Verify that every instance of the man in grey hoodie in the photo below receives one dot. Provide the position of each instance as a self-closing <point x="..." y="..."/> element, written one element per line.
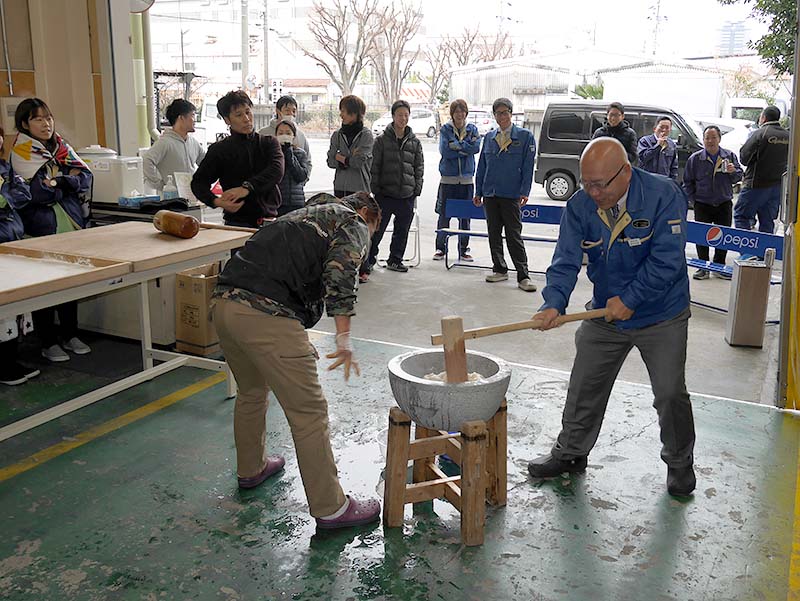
<point x="286" y="110"/>
<point x="175" y="150"/>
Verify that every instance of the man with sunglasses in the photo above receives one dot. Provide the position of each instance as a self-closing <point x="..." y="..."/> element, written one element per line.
<point x="632" y="226"/>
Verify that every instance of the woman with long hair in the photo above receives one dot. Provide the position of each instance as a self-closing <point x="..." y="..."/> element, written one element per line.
<point x="60" y="185"/>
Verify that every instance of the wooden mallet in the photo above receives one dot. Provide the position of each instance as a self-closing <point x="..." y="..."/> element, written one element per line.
<point x="186" y="226"/>
<point x="453" y="338"/>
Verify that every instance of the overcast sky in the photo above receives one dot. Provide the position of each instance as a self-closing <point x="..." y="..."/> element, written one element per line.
<point x="688" y="27"/>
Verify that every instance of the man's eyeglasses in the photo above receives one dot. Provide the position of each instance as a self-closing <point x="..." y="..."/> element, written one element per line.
<point x="501" y="113"/>
<point x="599" y="185"/>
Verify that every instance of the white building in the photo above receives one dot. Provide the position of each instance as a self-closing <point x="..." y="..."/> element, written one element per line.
<point x="205" y="37"/>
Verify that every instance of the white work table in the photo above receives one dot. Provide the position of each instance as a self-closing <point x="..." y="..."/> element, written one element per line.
<point x="41" y="272"/>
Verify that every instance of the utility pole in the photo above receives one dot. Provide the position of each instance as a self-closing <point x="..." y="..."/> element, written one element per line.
<point x="267" y="85"/>
<point x="657" y="19"/>
<point x="245" y="45"/>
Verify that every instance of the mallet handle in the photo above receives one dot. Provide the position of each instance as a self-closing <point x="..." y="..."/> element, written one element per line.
<point x="230" y="228"/>
<point x="530" y="324"/>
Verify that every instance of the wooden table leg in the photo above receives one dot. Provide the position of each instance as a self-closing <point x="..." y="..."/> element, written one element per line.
<point x="420" y="473"/>
<point x="473" y="486"/>
<point x="396" y="467"/>
<point x="497" y="457"/>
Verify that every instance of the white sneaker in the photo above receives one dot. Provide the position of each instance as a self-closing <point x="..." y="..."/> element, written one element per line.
<point x="496" y="277"/>
<point x="55" y="354"/>
<point x="77" y="346"/>
<point x="438" y="255"/>
<point x="527" y="285"/>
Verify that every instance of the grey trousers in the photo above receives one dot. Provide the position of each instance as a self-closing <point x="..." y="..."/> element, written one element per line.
<point x="601" y="351"/>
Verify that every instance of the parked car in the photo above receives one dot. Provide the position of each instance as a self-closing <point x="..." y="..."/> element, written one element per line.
<point x="483" y="120"/>
<point x="734" y="131"/>
<point x="567" y="128"/>
<point x="210" y="127"/>
<point x="422" y="121"/>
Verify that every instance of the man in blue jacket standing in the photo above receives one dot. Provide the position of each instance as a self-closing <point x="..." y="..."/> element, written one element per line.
<point x="657" y="152"/>
<point x="632" y="226"/>
<point x="708" y="180"/>
<point x="502" y="185"/>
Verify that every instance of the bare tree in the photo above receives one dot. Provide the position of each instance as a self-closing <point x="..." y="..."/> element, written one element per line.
<point x="494" y="48"/>
<point x="345" y="32"/>
<point x="462" y="49"/>
<point x="438" y="58"/>
<point x="392" y="63"/>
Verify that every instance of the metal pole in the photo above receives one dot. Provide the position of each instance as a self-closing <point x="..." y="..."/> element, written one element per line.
<point x="789" y="211"/>
<point x="5" y="47"/>
<point x="245" y="45"/>
<point x="267" y="86"/>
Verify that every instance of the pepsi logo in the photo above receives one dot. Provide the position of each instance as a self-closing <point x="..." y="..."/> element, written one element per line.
<point x="714" y="236"/>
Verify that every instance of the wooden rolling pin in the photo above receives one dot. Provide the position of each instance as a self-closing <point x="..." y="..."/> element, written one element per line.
<point x="186" y="226"/>
<point x="530" y="324"/>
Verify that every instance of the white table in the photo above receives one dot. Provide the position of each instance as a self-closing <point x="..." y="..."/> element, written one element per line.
<point x="115" y="256"/>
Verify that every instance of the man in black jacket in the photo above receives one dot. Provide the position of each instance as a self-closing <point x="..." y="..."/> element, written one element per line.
<point x="396" y="179"/>
<point x="616" y="127"/>
<point x="248" y="166"/>
<point x="766" y="154"/>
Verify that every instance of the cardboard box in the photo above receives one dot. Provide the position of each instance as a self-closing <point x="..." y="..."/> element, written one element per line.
<point x="194" y="331"/>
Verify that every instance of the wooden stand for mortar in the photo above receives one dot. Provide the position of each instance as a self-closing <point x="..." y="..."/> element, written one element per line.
<point x="480" y="449"/>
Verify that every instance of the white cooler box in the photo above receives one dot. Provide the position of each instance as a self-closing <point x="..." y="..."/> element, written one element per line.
<point x="114" y="176"/>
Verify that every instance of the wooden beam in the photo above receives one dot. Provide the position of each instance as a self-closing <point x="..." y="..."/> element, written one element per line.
<point x="429" y="490"/>
<point x="396" y="467"/>
<point x="419" y="451"/>
<point x="453" y="447"/>
<point x="452" y="490"/>
<point x="438" y="444"/>
<point x="473" y="487"/>
<point x="497" y="458"/>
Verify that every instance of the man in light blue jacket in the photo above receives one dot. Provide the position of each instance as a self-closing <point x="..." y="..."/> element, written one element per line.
<point x="632" y="226"/>
<point x="502" y="185"/>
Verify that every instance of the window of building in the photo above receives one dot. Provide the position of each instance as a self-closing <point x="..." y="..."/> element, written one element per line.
<point x="188" y="66"/>
<point x="314" y="97"/>
<point x="236" y="66"/>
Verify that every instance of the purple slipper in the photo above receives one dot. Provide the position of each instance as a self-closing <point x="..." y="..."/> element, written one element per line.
<point x="275" y="464"/>
<point x="358" y="513"/>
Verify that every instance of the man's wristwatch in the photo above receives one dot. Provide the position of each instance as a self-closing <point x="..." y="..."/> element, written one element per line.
<point x="248" y="186"/>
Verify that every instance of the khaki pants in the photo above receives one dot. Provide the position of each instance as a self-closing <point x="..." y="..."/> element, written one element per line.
<point x="273" y="353"/>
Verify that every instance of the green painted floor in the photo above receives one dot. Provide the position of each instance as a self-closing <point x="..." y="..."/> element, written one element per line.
<point x="151" y="511"/>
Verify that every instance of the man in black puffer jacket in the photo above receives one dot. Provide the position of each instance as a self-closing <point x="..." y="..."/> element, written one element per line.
<point x="616" y="127"/>
<point x="397" y="169"/>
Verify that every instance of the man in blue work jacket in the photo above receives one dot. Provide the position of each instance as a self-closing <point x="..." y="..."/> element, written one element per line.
<point x="657" y="152"/>
<point x="632" y="226"/>
<point x="502" y="185"/>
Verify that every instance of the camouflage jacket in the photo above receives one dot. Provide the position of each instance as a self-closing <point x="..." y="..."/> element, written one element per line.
<point x="305" y="260"/>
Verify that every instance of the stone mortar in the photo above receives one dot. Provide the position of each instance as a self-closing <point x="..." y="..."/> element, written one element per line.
<point x="442" y="406"/>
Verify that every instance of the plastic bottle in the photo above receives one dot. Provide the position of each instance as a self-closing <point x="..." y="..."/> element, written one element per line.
<point x="170" y="189"/>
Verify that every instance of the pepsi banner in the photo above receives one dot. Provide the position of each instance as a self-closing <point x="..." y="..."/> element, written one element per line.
<point x="529" y="213"/>
<point x="705" y="234"/>
<point x="729" y="238"/>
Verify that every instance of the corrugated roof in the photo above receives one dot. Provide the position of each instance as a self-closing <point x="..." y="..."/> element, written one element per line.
<point x="659" y="67"/>
<point x="306" y="83"/>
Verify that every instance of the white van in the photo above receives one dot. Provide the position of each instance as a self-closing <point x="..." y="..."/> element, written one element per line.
<point x="210" y="127"/>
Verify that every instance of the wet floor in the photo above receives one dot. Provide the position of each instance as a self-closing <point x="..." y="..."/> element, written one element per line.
<point x="151" y="510"/>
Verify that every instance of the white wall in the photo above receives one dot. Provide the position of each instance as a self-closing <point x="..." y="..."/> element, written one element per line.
<point x="689" y="93"/>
